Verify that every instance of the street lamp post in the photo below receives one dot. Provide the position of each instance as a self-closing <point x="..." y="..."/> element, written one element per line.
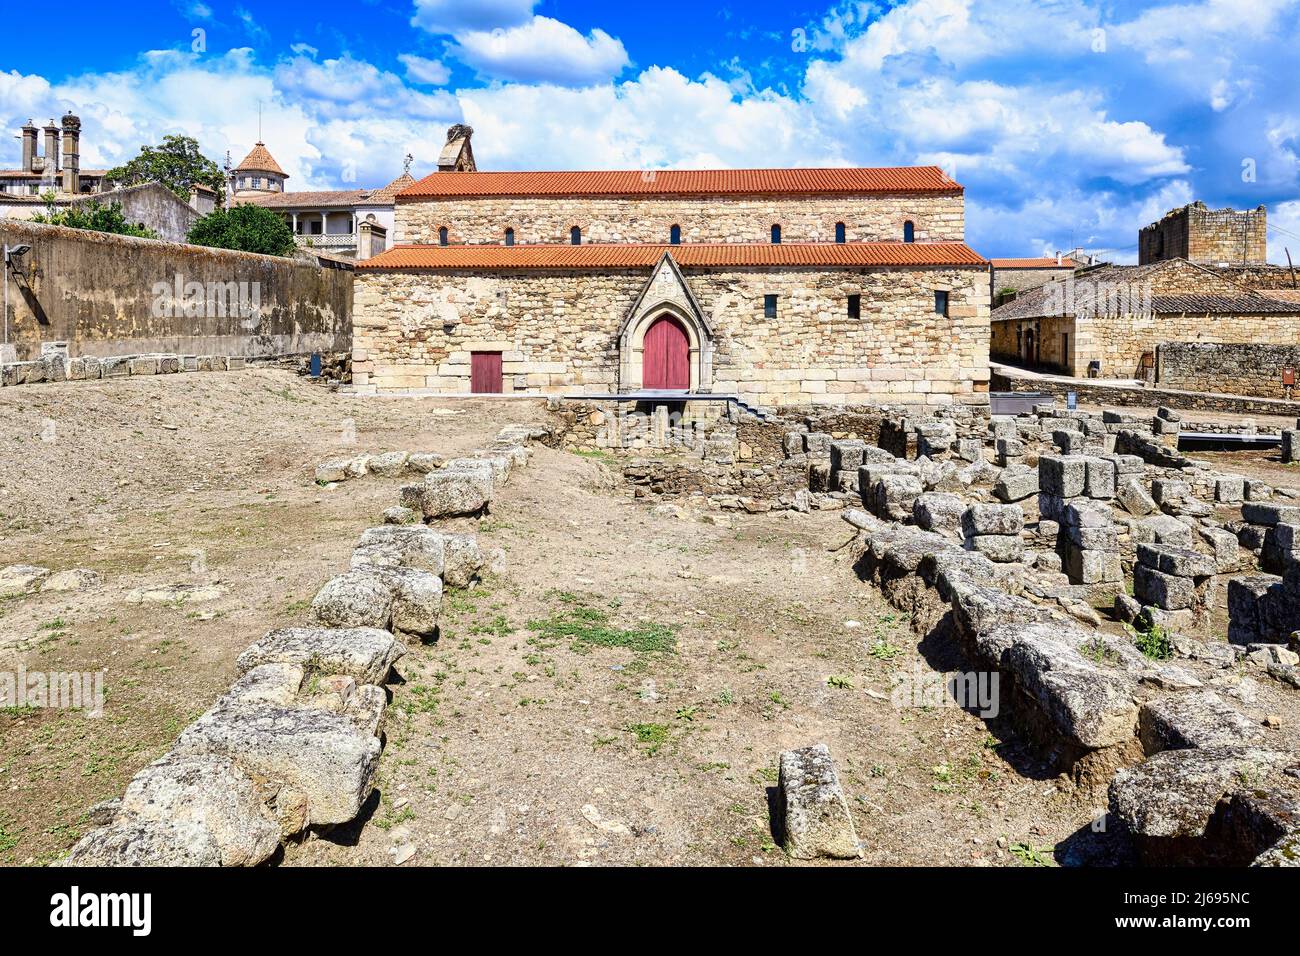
<point x="10" y="254"/>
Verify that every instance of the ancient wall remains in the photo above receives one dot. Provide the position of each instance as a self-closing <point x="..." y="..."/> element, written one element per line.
<point x="484" y="220"/>
<point x="1210" y="236"/>
<point x="107" y="295"/>
<point x="558" y="331"/>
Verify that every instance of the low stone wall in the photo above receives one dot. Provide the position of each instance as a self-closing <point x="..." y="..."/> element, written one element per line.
<point x="1243" y="369"/>
<point x="1090" y="394"/>
<point x="295" y="744"/>
<point x="106" y="295"/>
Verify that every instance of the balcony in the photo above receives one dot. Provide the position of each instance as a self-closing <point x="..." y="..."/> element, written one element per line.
<point x="330" y="242"/>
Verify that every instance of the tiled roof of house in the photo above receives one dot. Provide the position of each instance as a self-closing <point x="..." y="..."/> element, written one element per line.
<point x="259" y="159"/>
<point x="1200" y="290"/>
<point x="1045" y="262"/>
<point x="1245" y="304"/>
<point x="643" y="256"/>
<point x="685" y="182"/>
<point x="307" y="199"/>
<point x="385" y="196"/>
<point x="331" y="197"/>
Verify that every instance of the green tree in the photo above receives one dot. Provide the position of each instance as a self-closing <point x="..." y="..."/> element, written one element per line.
<point x="247" y="228"/>
<point x="176" y="163"/>
<point x="92" y="215"/>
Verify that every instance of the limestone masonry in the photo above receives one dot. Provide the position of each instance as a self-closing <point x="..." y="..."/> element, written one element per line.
<point x="781" y="286"/>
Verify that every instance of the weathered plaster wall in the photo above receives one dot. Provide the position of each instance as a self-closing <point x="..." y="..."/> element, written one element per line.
<point x="705" y="219"/>
<point x="97" y="293"/>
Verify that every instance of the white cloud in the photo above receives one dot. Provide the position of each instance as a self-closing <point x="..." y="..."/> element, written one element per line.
<point x="1284" y="232"/>
<point x="543" y="50"/>
<point x="461" y="16"/>
<point x="422" y="70"/>
<point x="660" y="119"/>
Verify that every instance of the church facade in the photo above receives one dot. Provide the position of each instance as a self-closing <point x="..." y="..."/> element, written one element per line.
<point x="781" y="286"/>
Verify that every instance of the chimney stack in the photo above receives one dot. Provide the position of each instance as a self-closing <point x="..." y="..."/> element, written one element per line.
<point x="51" y="149"/>
<point x="29" y="146"/>
<point x="71" y="153"/>
<point x="457" y="156"/>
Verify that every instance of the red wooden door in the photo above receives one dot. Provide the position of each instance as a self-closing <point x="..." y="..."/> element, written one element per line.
<point x="666" y="361"/>
<point x="485" y="372"/>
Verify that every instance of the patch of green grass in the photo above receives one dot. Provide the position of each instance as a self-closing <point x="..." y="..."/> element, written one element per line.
<point x="7" y="840"/>
<point x="839" y="682"/>
<point x="1030" y="855"/>
<point x="589" y="625"/>
<point x="654" y="735"/>
<point x="882" y="650"/>
<point x="1154" y="643"/>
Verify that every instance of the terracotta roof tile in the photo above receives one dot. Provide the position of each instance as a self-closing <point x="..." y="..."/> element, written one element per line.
<point x="1045" y="262"/>
<point x="308" y="198"/>
<point x="259" y="159"/>
<point x="383" y="197"/>
<point x="634" y="256"/>
<point x="685" y="182"/>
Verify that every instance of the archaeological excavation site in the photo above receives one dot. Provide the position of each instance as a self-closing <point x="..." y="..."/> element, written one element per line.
<point x="339" y="631"/>
<point x="707" y="522"/>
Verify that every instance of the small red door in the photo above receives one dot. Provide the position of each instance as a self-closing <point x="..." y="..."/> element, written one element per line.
<point x="485" y="373"/>
<point x="666" y="359"/>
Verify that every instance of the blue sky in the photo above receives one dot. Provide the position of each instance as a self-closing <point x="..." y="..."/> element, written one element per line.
<point x="1070" y="122"/>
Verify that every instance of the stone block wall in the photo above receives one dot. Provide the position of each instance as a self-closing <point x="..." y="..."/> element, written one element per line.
<point x="619" y="219"/>
<point x="1022" y="280"/>
<point x="1210" y="236"/>
<point x="1244" y="368"/>
<point x="558" y="332"/>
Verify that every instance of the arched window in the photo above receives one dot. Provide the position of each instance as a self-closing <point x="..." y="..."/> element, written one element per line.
<point x="575" y="236"/>
<point x="776" y="234"/>
<point x="909" y="232"/>
<point x="675" y="235"/>
<point x="510" y="237"/>
<point x="442" y="235"/>
<point x="839" y="232"/>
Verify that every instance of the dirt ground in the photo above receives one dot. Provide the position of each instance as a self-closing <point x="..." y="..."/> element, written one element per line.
<point x="617" y="693"/>
<point x="517" y="737"/>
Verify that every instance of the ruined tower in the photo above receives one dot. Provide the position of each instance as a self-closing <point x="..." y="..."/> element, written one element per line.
<point x="1207" y="236"/>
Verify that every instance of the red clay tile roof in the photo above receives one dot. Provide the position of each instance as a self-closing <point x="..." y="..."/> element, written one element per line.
<point x="384" y="196"/>
<point x="306" y="198"/>
<point x="259" y="159"/>
<point x="685" y="182"/>
<point x="637" y="256"/>
<point x="1045" y="262"/>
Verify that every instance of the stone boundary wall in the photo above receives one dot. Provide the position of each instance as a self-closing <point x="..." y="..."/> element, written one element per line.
<point x="106" y="295"/>
<point x="623" y="219"/>
<point x="1145" y="397"/>
<point x="1245" y="368"/>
